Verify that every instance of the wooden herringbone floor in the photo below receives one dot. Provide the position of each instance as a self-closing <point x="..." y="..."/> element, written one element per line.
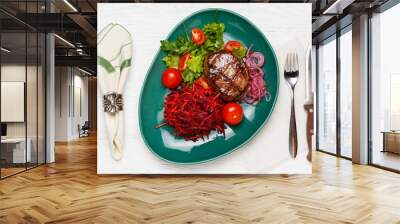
<point x="69" y="191"/>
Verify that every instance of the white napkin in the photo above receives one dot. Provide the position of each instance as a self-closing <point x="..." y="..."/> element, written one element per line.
<point x="114" y="50"/>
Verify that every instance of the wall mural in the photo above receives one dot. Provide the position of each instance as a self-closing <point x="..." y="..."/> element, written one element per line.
<point x="203" y="88"/>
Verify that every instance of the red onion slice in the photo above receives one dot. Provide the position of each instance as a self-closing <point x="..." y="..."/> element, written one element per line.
<point x="257" y="88"/>
<point x="257" y="58"/>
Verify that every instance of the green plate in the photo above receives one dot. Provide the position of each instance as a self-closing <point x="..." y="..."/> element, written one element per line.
<point x="161" y="141"/>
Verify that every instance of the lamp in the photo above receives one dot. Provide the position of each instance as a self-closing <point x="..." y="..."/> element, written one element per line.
<point x="70" y="5"/>
<point x="64" y="40"/>
<point x="337" y="7"/>
<point x="5" y="49"/>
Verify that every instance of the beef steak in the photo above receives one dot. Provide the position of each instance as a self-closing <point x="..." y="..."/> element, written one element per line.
<point x="227" y="74"/>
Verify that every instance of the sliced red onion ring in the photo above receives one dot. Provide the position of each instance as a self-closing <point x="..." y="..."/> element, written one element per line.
<point x="250" y="62"/>
<point x="257" y="58"/>
<point x="257" y="88"/>
<point x="256" y="71"/>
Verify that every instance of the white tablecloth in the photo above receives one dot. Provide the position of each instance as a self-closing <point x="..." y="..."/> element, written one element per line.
<point x="287" y="27"/>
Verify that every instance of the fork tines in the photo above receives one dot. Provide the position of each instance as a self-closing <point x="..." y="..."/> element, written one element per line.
<point x="292" y="62"/>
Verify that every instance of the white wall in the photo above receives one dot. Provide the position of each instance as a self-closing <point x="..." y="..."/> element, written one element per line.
<point x="62" y="82"/>
<point x="16" y="73"/>
<point x="80" y="109"/>
<point x="12" y="73"/>
<point x="70" y="109"/>
<point x="33" y="127"/>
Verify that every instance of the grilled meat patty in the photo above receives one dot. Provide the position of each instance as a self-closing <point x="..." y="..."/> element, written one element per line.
<point x="226" y="74"/>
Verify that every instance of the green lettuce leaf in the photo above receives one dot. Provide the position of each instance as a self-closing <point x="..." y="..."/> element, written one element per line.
<point x="214" y="36"/>
<point x="172" y="61"/>
<point x="189" y="76"/>
<point x="195" y="63"/>
<point x="178" y="47"/>
<point x="239" y="52"/>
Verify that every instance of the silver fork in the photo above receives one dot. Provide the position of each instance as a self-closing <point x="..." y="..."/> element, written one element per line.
<point x="291" y="75"/>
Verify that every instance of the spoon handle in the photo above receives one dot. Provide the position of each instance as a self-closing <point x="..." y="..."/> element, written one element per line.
<point x="293" y="131"/>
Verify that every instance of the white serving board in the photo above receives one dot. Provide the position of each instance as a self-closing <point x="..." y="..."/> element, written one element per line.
<point x="286" y="26"/>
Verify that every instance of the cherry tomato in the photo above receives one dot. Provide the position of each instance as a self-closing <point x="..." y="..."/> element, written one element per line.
<point x="202" y="82"/>
<point x="183" y="60"/>
<point x="198" y="36"/>
<point x="230" y="45"/>
<point x="232" y="113"/>
<point x="171" y="78"/>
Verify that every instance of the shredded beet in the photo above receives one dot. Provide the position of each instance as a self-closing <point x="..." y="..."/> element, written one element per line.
<point x="193" y="112"/>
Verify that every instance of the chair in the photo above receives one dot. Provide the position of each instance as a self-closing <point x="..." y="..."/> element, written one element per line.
<point x="84" y="130"/>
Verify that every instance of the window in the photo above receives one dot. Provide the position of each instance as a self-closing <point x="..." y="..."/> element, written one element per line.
<point x="385" y="89"/>
<point x="335" y="74"/>
<point x="346" y="92"/>
<point x="394" y="116"/>
<point x="22" y="77"/>
<point x="327" y="96"/>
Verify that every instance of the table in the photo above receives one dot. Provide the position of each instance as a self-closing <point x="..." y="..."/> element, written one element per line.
<point x="391" y="141"/>
<point x="18" y="150"/>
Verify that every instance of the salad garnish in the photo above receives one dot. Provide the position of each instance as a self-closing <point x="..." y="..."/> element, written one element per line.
<point x="208" y="80"/>
<point x="210" y="39"/>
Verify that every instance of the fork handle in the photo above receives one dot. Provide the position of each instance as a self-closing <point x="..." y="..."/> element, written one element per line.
<point x="293" y="131"/>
